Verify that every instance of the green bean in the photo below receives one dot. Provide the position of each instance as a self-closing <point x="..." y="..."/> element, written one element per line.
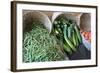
<point x="40" y="46"/>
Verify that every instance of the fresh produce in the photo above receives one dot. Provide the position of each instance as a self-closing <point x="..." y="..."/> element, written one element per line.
<point x="40" y="46"/>
<point x="67" y="31"/>
<point x="67" y="40"/>
<point x="78" y="34"/>
<point x="87" y="35"/>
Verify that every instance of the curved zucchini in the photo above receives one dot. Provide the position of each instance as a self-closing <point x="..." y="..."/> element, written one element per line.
<point x="67" y="40"/>
<point x="78" y="34"/>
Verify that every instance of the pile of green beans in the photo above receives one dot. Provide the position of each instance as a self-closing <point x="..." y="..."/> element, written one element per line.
<point x="40" y="46"/>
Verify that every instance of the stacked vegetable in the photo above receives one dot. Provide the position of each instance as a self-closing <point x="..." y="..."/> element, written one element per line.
<point x="67" y="32"/>
<point x="40" y="46"/>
